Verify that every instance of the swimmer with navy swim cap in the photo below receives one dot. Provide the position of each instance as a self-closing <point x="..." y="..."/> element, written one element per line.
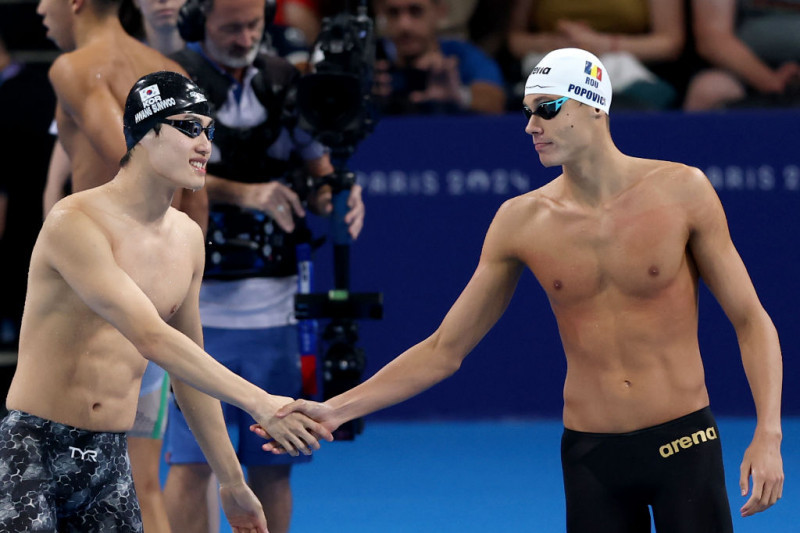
<point x="574" y="73"/>
<point x="155" y="97"/>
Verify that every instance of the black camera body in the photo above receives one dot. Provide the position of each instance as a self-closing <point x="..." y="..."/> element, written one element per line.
<point x="334" y="104"/>
<point x="334" y="101"/>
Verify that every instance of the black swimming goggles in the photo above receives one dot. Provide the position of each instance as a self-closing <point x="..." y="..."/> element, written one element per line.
<point x="546" y="110"/>
<point x="191" y="127"/>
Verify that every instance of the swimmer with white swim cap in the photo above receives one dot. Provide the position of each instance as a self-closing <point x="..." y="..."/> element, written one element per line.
<point x="619" y="244"/>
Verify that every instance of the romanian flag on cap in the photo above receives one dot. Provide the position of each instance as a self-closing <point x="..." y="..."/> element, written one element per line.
<point x="593" y="71"/>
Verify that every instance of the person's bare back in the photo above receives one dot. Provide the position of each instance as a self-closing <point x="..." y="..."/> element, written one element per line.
<point x="76" y="367"/>
<point x="91" y="84"/>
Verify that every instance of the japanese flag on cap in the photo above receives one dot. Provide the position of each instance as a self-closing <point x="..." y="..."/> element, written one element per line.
<point x="574" y="73"/>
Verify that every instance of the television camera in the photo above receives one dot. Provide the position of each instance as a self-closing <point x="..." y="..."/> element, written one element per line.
<point x="334" y="103"/>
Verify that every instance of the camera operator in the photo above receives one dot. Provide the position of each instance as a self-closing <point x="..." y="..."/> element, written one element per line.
<point x="420" y="73"/>
<point x="246" y="301"/>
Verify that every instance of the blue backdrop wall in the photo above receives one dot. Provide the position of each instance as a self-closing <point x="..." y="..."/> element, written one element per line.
<point x="432" y="186"/>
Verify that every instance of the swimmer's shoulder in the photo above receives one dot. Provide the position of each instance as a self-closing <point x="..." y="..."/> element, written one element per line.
<point x="69" y="223"/>
<point x="184" y="223"/>
<point x="106" y="64"/>
<point x="677" y="180"/>
<point x="667" y="172"/>
<point x="72" y="210"/>
<point x="188" y="230"/>
<point x="532" y="202"/>
<point x="64" y="73"/>
<point x="78" y="76"/>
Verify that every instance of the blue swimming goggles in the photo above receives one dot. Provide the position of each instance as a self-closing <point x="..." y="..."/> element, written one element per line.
<point x="546" y="110"/>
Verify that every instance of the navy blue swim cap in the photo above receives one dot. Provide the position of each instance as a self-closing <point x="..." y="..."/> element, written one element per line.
<point x="157" y="96"/>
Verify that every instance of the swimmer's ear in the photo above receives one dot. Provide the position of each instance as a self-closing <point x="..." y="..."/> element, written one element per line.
<point x="77" y="5"/>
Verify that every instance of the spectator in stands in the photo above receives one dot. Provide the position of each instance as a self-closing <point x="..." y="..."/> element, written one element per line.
<point x="154" y="22"/>
<point x="419" y="72"/>
<point x="634" y="38"/>
<point x="753" y="49"/>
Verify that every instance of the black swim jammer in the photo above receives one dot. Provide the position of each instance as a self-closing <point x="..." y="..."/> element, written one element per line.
<point x="675" y="467"/>
<point x="60" y="478"/>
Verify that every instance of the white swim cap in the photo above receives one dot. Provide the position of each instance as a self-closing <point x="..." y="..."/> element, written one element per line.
<point x="574" y="73"/>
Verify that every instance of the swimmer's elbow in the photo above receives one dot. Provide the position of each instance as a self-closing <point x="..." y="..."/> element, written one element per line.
<point x="153" y="344"/>
<point x="446" y="354"/>
<point x="452" y="365"/>
<point x="753" y="320"/>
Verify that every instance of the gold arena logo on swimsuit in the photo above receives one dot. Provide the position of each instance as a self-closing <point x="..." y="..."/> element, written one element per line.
<point x="688" y="441"/>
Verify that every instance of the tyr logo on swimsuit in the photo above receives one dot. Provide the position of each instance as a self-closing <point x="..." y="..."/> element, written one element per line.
<point x="87" y="455"/>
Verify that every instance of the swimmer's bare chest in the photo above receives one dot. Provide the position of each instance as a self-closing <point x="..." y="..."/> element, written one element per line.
<point x="161" y="265"/>
<point x="579" y="256"/>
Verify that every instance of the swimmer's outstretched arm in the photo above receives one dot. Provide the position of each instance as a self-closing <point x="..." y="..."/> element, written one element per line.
<point x="78" y="250"/>
<point x="479" y="306"/>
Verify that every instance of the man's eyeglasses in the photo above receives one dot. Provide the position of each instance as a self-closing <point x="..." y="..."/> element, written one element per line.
<point x="191" y="128"/>
<point x="546" y="110"/>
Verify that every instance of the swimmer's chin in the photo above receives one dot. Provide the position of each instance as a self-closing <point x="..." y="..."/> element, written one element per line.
<point x="547" y="164"/>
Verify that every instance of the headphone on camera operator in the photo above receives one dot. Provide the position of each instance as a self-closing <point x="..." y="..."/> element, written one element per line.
<point x="192" y="19"/>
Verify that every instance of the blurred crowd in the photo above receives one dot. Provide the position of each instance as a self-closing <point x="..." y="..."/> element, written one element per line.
<point x="449" y="56"/>
<point x="474" y="55"/>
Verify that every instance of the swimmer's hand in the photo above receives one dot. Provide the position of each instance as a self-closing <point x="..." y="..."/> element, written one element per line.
<point x="322" y="413"/>
<point x="295" y="433"/>
<point x="762" y="461"/>
<point x="242" y="508"/>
